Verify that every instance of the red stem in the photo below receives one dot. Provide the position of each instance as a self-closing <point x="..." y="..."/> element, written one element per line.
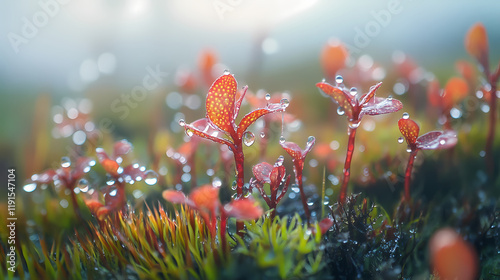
<point x="223" y="225"/>
<point x="490" y="162"/>
<point x="347" y="166"/>
<point x="239" y="160"/>
<point x="303" y="194"/>
<point x="409" y="168"/>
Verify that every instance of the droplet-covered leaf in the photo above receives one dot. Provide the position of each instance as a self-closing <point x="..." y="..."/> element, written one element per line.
<point x="409" y="129"/>
<point x="379" y="106"/>
<point x="243" y="209"/>
<point x="262" y="171"/>
<point x="204" y="129"/>
<point x="367" y="97"/>
<point x="121" y="148"/>
<point x="220" y="102"/>
<point x="325" y="225"/>
<point x="293" y="150"/>
<point x="251" y="117"/>
<point x="437" y="140"/>
<point x="342" y="98"/>
<point x="277" y="175"/>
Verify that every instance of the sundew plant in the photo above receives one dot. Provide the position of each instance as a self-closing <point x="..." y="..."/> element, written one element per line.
<point x="213" y="176"/>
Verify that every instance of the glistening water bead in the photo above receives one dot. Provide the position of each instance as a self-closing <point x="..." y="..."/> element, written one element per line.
<point x="226" y="72"/>
<point x="284" y="103"/>
<point x="150" y="177"/>
<point x="268" y="96"/>
<point x="65" y="162"/>
<point x="248" y="138"/>
<point x="282" y="139"/>
<point x="353" y="91"/>
<point x="400" y="140"/>
<point x="339" y="79"/>
<point x="406" y="115"/>
<point x="340" y="111"/>
<point x="182" y="122"/>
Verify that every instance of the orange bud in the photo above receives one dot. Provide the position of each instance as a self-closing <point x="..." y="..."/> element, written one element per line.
<point x="452" y="257"/>
<point x="333" y="58"/>
<point x="476" y="43"/>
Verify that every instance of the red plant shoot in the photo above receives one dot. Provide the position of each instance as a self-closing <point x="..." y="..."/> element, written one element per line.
<point x="220" y="126"/>
<point x="476" y="44"/>
<point x="275" y="176"/>
<point x="205" y="200"/>
<point x="355" y="108"/>
<point x="298" y="157"/>
<point x="430" y="141"/>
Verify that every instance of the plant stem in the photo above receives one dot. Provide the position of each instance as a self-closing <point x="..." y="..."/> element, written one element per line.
<point x="303" y="194"/>
<point x="239" y="161"/>
<point x="347" y="166"/>
<point x="223" y="225"/>
<point x="409" y="168"/>
<point x="490" y="162"/>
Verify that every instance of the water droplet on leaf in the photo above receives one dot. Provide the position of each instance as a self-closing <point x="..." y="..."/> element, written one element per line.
<point x="182" y="122"/>
<point x="406" y="115"/>
<point x="29" y="187"/>
<point x="262" y="135"/>
<point x="248" y="138"/>
<point x="310" y="140"/>
<point x="400" y="140"/>
<point x="284" y="103"/>
<point x="189" y="132"/>
<point x="353" y="91"/>
<point x="279" y="161"/>
<point x="83" y="185"/>
<point x="226" y="72"/>
<point x="340" y="111"/>
<point x="234" y="186"/>
<point x="282" y="139"/>
<point x="339" y="79"/>
<point x="268" y="96"/>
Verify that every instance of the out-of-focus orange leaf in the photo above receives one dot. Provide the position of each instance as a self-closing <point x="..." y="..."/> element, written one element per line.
<point x="243" y="209"/>
<point x="205" y="198"/>
<point x="206" y="63"/>
<point x="455" y="91"/>
<point x="452" y="257"/>
<point x="333" y="58"/>
<point x="476" y="43"/>
<point x="433" y="93"/>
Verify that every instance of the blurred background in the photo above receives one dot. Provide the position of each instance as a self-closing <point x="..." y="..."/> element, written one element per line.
<point x="95" y="55"/>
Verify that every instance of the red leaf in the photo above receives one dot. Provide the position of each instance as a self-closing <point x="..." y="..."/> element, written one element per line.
<point x="325" y="225"/>
<point x="409" y="129"/>
<point x="237" y="106"/>
<point x="262" y="171"/>
<point x="220" y="103"/>
<point x="205" y="198"/>
<point x="121" y="148"/>
<point x="243" y="209"/>
<point x="379" y="106"/>
<point x="82" y="166"/>
<point x="455" y="91"/>
<point x="333" y="58"/>
<point x="176" y="197"/>
<point x="367" y="97"/>
<point x="293" y="150"/>
<point x="476" y="43"/>
<point x="251" y="117"/>
<point x="93" y="206"/>
<point x="342" y="98"/>
<point x="451" y="256"/>
<point x="434" y="93"/>
<point x="437" y="140"/>
<point x="204" y="129"/>
<point x="277" y="175"/>
<point x="45" y="177"/>
<point x="110" y="166"/>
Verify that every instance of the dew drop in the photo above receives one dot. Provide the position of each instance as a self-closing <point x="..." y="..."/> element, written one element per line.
<point x="340" y="111"/>
<point x="326" y="200"/>
<point x="310" y="141"/>
<point x="83" y="185"/>
<point x="353" y="125"/>
<point x="226" y="72"/>
<point x="113" y="192"/>
<point x="234" y="186"/>
<point x="65" y="162"/>
<point x="406" y="115"/>
<point x="150" y="177"/>
<point x="389" y="98"/>
<point x="284" y="103"/>
<point x="408" y="150"/>
<point x="339" y="79"/>
<point x="400" y="140"/>
<point x="248" y="138"/>
<point x="310" y="202"/>
<point x="268" y="96"/>
<point x="216" y="182"/>
<point x="279" y="161"/>
<point x="282" y="139"/>
<point x="353" y="91"/>
<point x="189" y="132"/>
<point x="323" y="80"/>
<point x="262" y="134"/>
<point x="442" y="141"/>
<point x="295" y="189"/>
<point x="29" y="187"/>
<point x="182" y="122"/>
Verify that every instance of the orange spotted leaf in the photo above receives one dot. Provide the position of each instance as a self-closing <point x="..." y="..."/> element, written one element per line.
<point x="251" y="117"/>
<point x="110" y="166"/>
<point x="262" y="171"/>
<point x="342" y="98"/>
<point x="176" y="197"/>
<point x="476" y="43"/>
<point x="437" y="140"/>
<point x="367" y="97"/>
<point x="220" y="103"/>
<point x="410" y="130"/>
